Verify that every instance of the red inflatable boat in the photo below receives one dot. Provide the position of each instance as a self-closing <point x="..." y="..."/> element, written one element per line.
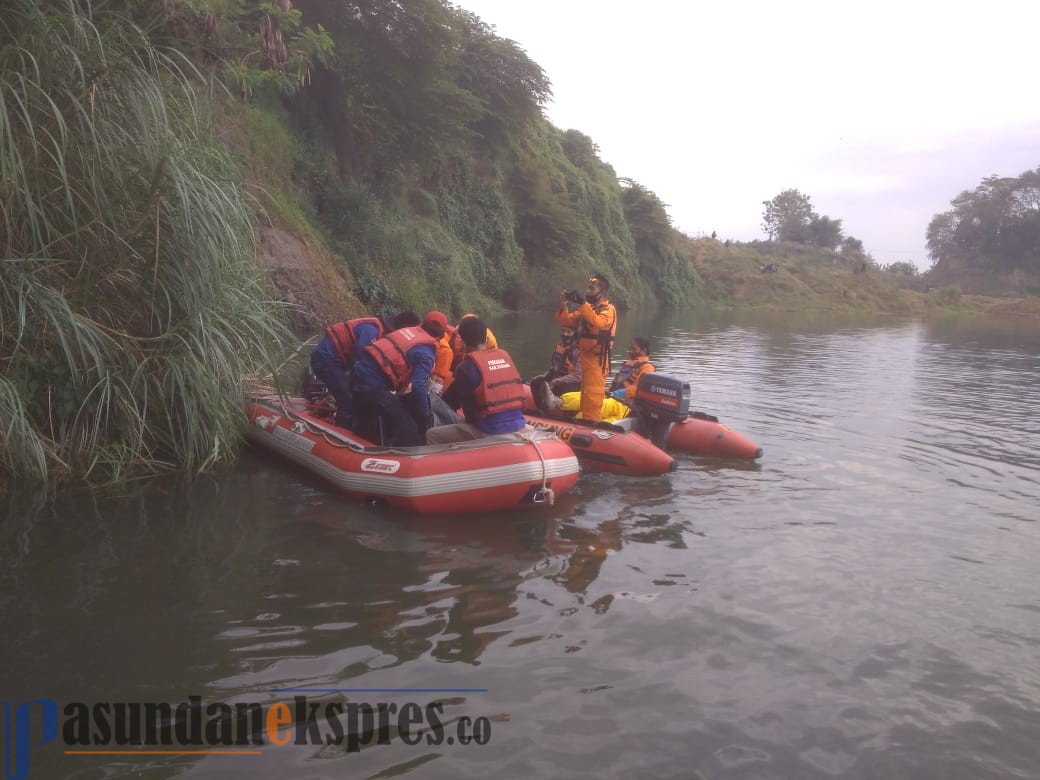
<point x="701" y="434"/>
<point x="509" y="471"/>
<point x="661" y="412"/>
<point x="606" y="447"/>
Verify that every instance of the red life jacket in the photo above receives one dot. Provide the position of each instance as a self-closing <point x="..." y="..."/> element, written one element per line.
<point x="501" y="387"/>
<point x="389" y="354"/>
<point x="344" y="337"/>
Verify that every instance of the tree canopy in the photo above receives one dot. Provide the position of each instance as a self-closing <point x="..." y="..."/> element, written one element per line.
<point x="787" y="216"/>
<point x="996" y="225"/>
<point x="790" y="216"/>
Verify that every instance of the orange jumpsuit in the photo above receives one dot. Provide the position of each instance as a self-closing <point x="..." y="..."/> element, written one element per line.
<point x="598" y="324"/>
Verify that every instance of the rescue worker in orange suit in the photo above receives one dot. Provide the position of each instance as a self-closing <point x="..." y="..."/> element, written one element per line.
<point x="596" y="321"/>
<point x="386" y="369"/>
<point x="450" y="351"/>
<point x="335" y="356"/>
<point x="487" y="387"/>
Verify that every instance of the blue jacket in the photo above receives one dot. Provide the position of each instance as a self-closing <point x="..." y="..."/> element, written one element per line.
<point x="460" y="394"/>
<point x="369" y="378"/>
<point x="325" y="353"/>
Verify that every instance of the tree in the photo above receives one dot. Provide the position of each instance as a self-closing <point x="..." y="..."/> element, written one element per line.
<point x="939" y="238"/>
<point x="996" y="225"/>
<point x="787" y="216"/>
<point x="902" y="268"/>
<point x="824" y="232"/>
<point x="851" y="245"/>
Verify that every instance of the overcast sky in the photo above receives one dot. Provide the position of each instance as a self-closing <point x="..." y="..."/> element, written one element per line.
<point x="880" y="112"/>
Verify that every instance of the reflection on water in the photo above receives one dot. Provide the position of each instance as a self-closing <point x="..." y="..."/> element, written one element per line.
<point x="861" y="603"/>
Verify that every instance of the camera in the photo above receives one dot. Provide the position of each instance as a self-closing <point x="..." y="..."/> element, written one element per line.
<point x="573" y="296"/>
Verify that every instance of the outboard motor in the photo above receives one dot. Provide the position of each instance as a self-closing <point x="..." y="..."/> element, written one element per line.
<point x="312" y="388"/>
<point x="660" y="400"/>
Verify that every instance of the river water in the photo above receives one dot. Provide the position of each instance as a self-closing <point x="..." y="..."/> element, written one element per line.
<point x="864" y="602"/>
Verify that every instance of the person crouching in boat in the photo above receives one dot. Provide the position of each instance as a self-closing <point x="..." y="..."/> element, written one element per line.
<point x="334" y="357"/>
<point x="564" y="374"/>
<point x="618" y="404"/>
<point x="487" y="387"/>
<point x="383" y="373"/>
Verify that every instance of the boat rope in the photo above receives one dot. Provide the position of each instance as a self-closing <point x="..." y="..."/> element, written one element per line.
<point x="318" y="430"/>
<point x="548" y="496"/>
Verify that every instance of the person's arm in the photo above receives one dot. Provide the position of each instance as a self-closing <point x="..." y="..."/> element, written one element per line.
<point x="460" y="395"/>
<point x="566" y="317"/>
<point x="366" y="333"/>
<point x="422" y="358"/>
<point x="455" y="395"/>
<point x="556" y="365"/>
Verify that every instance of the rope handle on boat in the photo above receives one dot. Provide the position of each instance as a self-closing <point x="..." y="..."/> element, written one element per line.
<point x="546" y="492"/>
<point x="318" y="431"/>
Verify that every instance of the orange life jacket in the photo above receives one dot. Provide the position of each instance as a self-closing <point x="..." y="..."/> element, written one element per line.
<point x="597" y="340"/>
<point x="447" y="359"/>
<point x="389" y="354"/>
<point x="344" y="338"/>
<point x="630" y="371"/>
<point x="501" y="387"/>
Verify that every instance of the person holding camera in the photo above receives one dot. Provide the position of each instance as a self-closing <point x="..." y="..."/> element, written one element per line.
<point x="596" y="322"/>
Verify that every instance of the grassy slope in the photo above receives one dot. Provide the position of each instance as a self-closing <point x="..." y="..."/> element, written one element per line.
<point x="310" y="269"/>
<point x="808" y="279"/>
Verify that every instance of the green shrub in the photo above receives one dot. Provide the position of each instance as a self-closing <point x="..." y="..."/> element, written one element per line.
<point x="131" y="302"/>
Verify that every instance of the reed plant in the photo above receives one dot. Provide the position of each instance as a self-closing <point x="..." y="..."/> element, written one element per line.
<point x="131" y="300"/>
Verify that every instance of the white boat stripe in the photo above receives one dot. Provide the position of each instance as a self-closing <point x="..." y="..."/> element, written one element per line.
<point x="434" y="484"/>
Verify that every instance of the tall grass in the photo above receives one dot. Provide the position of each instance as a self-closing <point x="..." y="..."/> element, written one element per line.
<point x="131" y="302"/>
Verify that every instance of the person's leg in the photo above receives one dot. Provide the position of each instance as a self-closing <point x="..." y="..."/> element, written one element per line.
<point x="366" y="415"/>
<point x="592" y="387"/>
<point x="399" y="427"/>
<point x="442" y="413"/>
<point x="570" y="402"/>
<point x="568" y="383"/>
<point x="336" y="380"/>
<point x="449" y="434"/>
<point x="613" y="409"/>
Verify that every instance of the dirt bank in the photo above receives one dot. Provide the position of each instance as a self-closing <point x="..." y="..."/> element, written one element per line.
<point x="309" y="278"/>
